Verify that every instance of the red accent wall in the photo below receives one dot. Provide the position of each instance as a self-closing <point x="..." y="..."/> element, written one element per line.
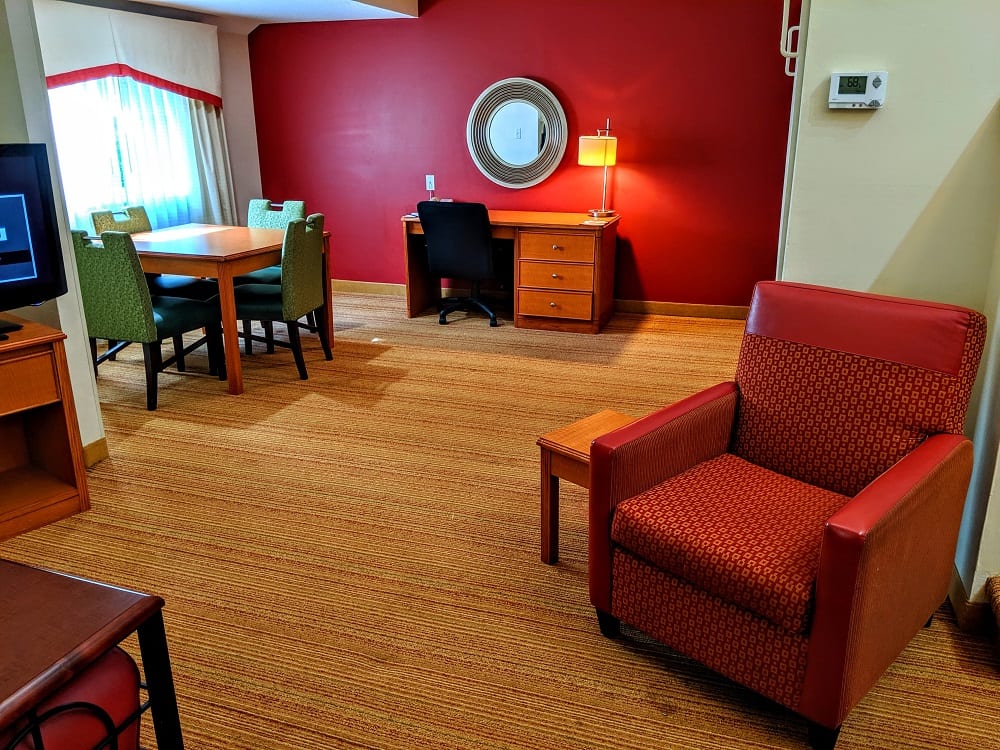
<point x="351" y="115"/>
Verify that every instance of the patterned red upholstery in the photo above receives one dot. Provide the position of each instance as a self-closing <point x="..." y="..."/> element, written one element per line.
<point x="762" y="558"/>
<point x="836" y="419"/>
<point x="801" y="561"/>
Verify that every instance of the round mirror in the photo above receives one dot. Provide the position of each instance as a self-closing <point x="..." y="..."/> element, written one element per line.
<point x="517" y="132"/>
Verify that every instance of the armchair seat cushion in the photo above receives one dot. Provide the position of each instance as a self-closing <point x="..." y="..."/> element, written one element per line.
<point x="258" y="301"/>
<point x="736" y="530"/>
<point x="174" y="315"/>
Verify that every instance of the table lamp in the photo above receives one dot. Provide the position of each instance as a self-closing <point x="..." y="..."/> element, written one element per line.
<point x="599" y="151"/>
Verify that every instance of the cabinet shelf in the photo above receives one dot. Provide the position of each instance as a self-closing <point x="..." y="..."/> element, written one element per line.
<point x="42" y="476"/>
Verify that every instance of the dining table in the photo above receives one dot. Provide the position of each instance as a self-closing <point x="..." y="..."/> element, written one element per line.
<point x="222" y="252"/>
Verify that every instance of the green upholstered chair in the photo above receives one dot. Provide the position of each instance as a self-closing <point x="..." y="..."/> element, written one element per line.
<point x="263" y="214"/>
<point x="134" y="219"/>
<point x="300" y="291"/>
<point x="118" y="306"/>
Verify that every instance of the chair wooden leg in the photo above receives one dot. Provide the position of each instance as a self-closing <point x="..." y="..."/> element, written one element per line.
<point x="611" y="626"/>
<point x="324" y="332"/>
<point x="111" y="345"/>
<point x="247" y="341"/>
<point x="179" y="352"/>
<point x="216" y="353"/>
<point x="822" y="738"/>
<point x="93" y="354"/>
<point x="268" y="327"/>
<point x="153" y="357"/>
<point x="296" y="344"/>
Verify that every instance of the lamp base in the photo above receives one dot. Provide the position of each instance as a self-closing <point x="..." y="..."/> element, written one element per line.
<point x="600" y="213"/>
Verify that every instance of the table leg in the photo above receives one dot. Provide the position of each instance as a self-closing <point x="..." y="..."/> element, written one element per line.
<point x="230" y="333"/>
<point x="550" y="510"/>
<point x="160" y="682"/>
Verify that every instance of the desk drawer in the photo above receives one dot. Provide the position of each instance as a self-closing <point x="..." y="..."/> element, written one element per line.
<point x="576" y="276"/>
<point x="550" y="246"/>
<point x="28" y="381"/>
<point x="555" y="304"/>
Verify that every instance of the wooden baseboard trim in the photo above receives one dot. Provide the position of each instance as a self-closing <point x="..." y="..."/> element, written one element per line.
<point x="972" y="617"/>
<point x="368" y="287"/>
<point x="682" y="309"/>
<point x="94" y="453"/>
<point x="677" y="309"/>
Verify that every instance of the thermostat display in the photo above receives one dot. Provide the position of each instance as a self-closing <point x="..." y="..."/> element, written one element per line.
<point x="858" y="90"/>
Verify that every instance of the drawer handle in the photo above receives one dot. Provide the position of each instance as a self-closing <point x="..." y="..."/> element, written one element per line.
<point x="556" y="247"/>
<point x="552" y="304"/>
<point x="555" y="276"/>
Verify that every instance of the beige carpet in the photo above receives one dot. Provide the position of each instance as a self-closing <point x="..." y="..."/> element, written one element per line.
<point x="353" y="560"/>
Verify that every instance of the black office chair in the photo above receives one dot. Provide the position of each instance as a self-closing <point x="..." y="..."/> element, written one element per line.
<point x="459" y="246"/>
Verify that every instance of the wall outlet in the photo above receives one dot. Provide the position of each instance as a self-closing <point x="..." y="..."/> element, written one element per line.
<point x="428" y="182"/>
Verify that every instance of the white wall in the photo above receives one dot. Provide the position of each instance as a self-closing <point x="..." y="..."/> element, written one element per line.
<point x="25" y="118"/>
<point x="237" y="111"/>
<point x="905" y="200"/>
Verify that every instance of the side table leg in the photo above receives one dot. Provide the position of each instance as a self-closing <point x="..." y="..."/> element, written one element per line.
<point x="550" y="510"/>
<point x="160" y="682"/>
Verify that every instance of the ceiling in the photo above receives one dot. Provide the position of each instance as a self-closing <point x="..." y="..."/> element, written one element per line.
<point x="245" y="15"/>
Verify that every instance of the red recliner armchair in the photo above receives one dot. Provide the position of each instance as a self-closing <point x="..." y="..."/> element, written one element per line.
<point x="793" y="529"/>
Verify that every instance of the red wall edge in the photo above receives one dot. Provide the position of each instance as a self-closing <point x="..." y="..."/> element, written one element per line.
<point x="351" y="115"/>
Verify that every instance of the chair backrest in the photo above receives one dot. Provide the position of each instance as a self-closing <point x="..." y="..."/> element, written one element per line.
<point x="262" y="214"/>
<point x="302" y="267"/>
<point x="131" y="219"/>
<point x="836" y="385"/>
<point x="116" y="301"/>
<point x="459" y="242"/>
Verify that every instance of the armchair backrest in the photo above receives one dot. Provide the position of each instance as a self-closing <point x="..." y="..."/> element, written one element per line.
<point x="836" y="385"/>
<point x="302" y="267"/>
<point x="262" y="214"/>
<point x="116" y="301"/>
<point x="131" y="219"/>
<point x="459" y="239"/>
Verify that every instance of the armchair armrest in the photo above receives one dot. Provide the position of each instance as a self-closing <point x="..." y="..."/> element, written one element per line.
<point x="642" y="454"/>
<point x="885" y="564"/>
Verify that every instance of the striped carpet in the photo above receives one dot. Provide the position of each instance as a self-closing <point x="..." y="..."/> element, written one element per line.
<point x="352" y="561"/>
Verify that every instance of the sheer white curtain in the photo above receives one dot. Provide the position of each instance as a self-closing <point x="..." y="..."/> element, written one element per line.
<point x="125" y="143"/>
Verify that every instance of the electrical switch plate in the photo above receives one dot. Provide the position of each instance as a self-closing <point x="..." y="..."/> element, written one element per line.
<point x="429" y="181"/>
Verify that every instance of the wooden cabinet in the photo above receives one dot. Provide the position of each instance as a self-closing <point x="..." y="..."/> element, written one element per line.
<point x="564" y="279"/>
<point x="42" y="475"/>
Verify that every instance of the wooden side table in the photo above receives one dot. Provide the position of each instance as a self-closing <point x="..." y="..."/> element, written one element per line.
<point x="566" y="453"/>
<point x="53" y="626"/>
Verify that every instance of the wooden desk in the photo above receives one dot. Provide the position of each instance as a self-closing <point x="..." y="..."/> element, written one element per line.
<point x="566" y="453"/>
<point x="222" y="252"/>
<point x="564" y="270"/>
<point x="53" y="626"/>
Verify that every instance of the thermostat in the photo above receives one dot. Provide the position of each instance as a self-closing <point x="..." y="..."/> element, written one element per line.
<point x="858" y="90"/>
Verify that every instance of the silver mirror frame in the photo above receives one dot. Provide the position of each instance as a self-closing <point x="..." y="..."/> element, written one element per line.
<point x="478" y="132"/>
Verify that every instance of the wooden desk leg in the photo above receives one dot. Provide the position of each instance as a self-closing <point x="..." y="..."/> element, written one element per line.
<point x="550" y="510"/>
<point x="160" y="682"/>
<point x="420" y="287"/>
<point x="230" y="334"/>
<point x="327" y="325"/>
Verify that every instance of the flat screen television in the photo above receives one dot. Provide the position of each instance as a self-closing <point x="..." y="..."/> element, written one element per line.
<point x="31" y="261"/>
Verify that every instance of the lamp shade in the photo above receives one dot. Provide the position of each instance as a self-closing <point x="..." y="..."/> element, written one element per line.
<point x="598" y="150"/>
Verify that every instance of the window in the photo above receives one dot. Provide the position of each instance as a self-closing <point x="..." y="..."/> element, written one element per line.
<point x="125" y="143"/>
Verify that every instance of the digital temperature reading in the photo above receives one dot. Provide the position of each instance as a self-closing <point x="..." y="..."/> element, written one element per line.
<point x="857" y="90"/>
<point x="852" y="85"/>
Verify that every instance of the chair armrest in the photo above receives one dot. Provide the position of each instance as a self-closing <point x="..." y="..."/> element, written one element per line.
<point x="645" y="453"/>
<point x="885" y="565"/>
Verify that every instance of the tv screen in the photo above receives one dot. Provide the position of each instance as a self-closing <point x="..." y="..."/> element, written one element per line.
<point x="31" y="262"/>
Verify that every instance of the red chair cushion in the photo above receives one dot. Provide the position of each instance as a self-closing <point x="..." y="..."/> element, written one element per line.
<point x="738" y="531"/>
<point x="111" y="682"/>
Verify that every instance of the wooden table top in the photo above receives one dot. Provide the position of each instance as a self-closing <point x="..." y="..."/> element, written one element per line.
<point x="52" y="626"/>
<point x="208" y="241"/>
<point x="532" y="219"/>
<point x="573" y="440"/>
